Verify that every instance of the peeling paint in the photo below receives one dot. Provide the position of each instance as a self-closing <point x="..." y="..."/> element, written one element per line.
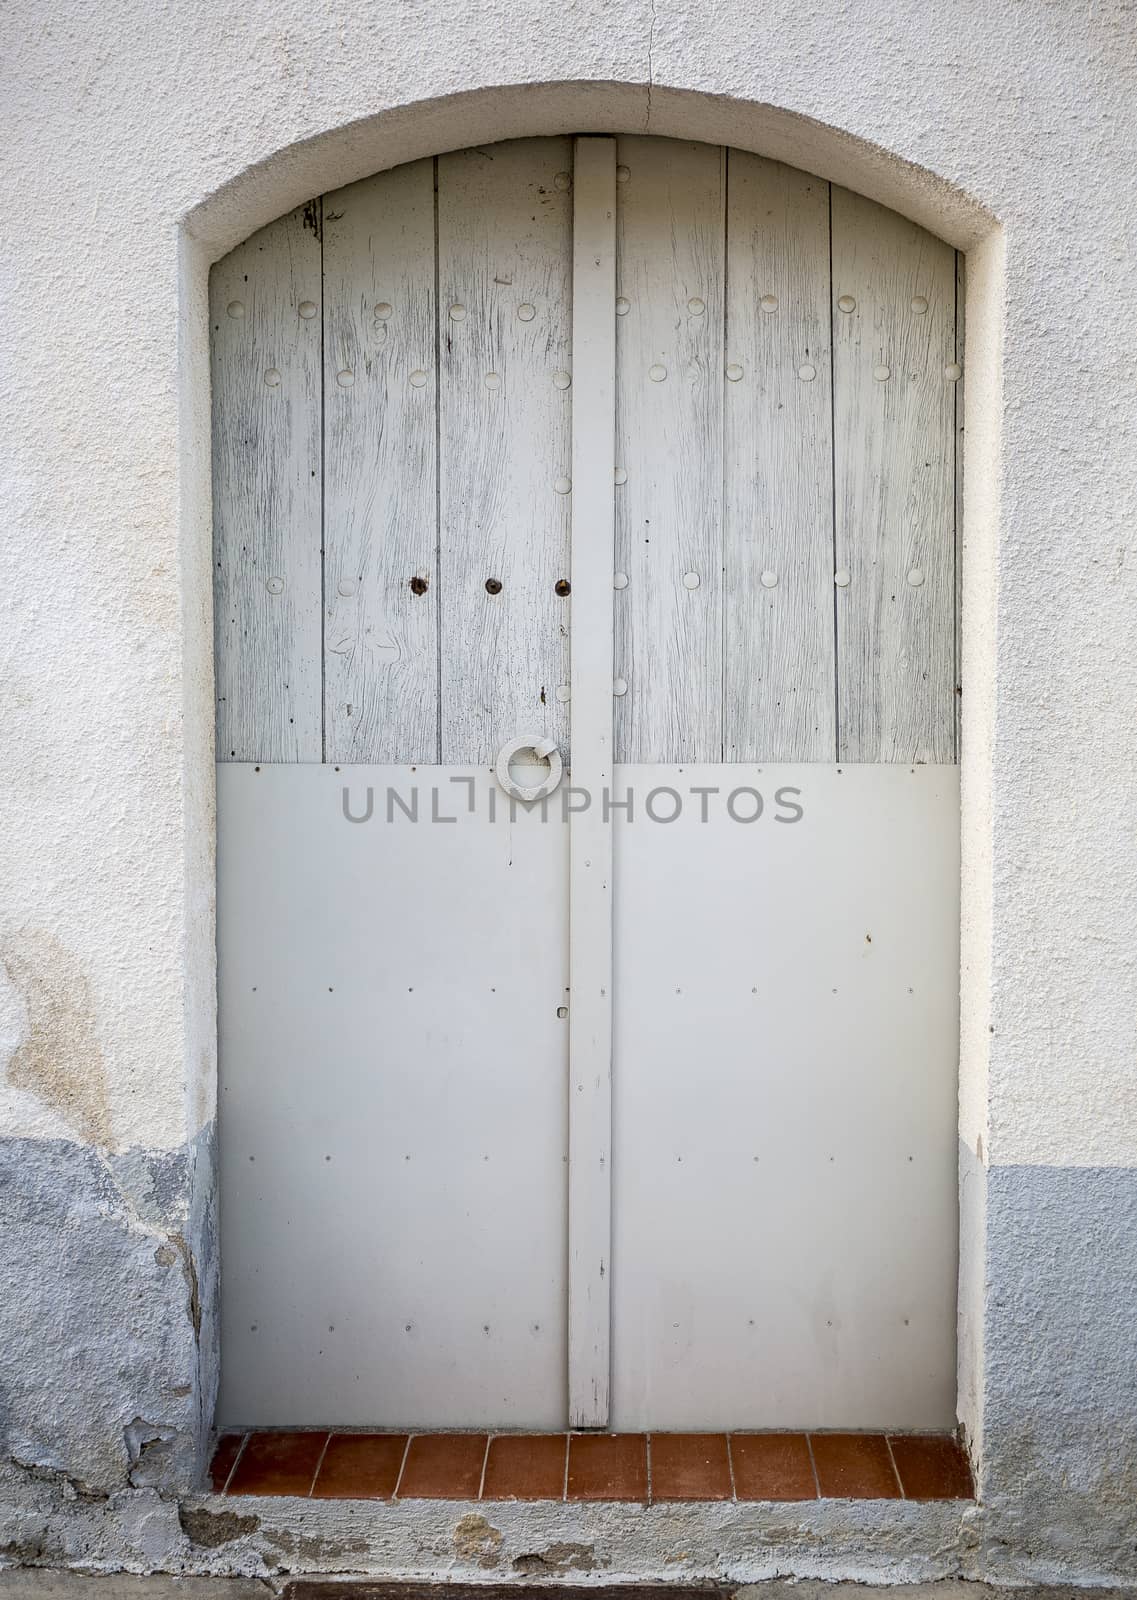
<point x="475" y="1539"/>
<point x="213" y="1528"/>
<point x="59" y="1059"/>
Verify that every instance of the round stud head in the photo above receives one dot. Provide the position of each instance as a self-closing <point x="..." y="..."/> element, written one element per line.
<point x="657" y="373"/>
<point x="623" y="174"/>
<point x="620" y="476"/>
<point x="623" y="305"/>
<point x="807" y="372"/>
<point x="563" y="692"/>
<point x="307" y="309"/>
<point x="842" y="577"/>
<point x="882" y="373"/>
<point x="526" y="312"/>
<point x="919" y="305"/>
<point x="916" y="577"/>
<point x="769" y="302"/>
<point x="846" y="303"/>
<point x="562" y="181"/>
<point x="769" y="580"/>
<point x="275" y="585"/>
<point x="562" y="380"/>
<point x="235" y="309"/>
<point x="346" y="378"/>
<point x="493" y="380"/>
<point x="619" y="580"/>
<point x="734" y="372"/>
<point x="696" y="306"/>
<point x="953" y="372"/>
<point x="272" y="378"/>
<point x="691" y="580"/>
<point x="619" y="686"/>
<point x="346" y="586"/>
<point x="457" y="313"/>
<point x="418" y="378"/>
<point x="562" y="485"/>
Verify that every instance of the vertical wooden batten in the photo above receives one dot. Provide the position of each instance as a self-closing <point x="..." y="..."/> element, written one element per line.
<point x="590" y="872"/>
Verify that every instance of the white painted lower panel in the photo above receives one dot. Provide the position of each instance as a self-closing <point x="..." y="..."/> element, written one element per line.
<point x="393" y="1102"/>
<point x="785" y="1066"/>
<point x="394" y="1083"/>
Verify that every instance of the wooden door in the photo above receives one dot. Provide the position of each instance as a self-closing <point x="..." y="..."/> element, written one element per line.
<point x="634" y="1106"/>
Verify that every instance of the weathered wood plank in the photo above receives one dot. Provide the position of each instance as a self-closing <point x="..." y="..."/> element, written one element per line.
<point x="894" y="463"/>
<point x="778" y="661"/>
<point x="381" y="460"/>
<point x="669" y="401"/>
<point x="265" y="330"/>
<point x="590" y="846"/>
<point x="504" y="232"/>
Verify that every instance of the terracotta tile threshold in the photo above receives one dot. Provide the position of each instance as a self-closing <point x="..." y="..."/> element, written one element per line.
<point x="647" y="1469"/>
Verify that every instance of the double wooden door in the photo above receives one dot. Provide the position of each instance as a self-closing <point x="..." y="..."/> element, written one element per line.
<point x="587" y="803"/>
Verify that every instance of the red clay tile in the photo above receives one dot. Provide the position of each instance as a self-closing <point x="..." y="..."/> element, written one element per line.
<point x="278" y="1463"/>
<point x="689" y="1466"/>
<point x="607" y="1466"/>
<point x="228" y="1449"/>
<point x="443" y="1466"/>
<point x="854" y="1466"/>
<point x="932" y="1466"/>
<point x="360" y="1466"/>
<point x="772" y="1466"/>
<point x="526" y="1466"/>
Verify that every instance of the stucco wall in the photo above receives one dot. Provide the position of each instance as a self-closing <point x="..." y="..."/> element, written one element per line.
<point x="140" y="144"/>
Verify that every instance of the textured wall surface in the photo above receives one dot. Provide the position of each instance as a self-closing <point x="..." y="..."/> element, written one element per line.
<point x="140" y="144"/>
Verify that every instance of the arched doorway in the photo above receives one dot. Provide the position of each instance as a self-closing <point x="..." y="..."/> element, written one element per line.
<point x="641" y="1108"/>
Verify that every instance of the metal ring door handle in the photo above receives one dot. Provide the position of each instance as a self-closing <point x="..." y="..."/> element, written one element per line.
<point x="541" y="747"/>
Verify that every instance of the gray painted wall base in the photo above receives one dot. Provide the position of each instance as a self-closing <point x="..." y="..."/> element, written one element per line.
<point x="1059" y="1471"/>
<point x="109" y="1272"/>
<point x="104" y="1421"/>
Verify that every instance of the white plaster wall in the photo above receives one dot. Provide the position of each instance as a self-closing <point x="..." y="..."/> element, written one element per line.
<point x="142" y="142"/>
<point x="125" y="122"/>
